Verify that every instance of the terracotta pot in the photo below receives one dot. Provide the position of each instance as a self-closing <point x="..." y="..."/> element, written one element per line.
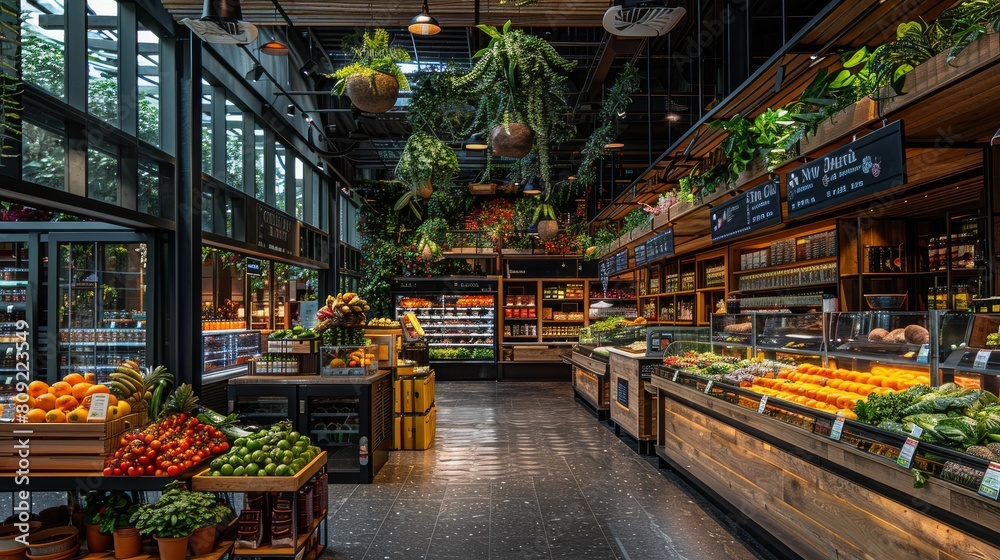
<point x="516" y="143"/>
<point x="174" y="548"/>
<point x="202" y="541"/>
<point x="547" y="229"/>
<point x="128" y="542"/>
<point x="377" y="98"/>
<point x="425" y="190"/>
<point x="96" y="540"/>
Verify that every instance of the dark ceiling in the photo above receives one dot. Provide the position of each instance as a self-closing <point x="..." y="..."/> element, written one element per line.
<point x="715" y="46"/>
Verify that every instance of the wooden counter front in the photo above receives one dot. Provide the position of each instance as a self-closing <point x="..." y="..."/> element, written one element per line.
<point x="818" y="512"/>
<point x="631" y="407"/>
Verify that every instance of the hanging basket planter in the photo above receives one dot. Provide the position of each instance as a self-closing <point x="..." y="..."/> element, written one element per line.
<point x="424" y="189"/>
<point x="516" y="143"/>
<point x="548" y="229"/>
<point x="373" y="96"/>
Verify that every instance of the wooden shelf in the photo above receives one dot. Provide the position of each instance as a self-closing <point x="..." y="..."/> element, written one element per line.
<point x="788" y="266"/>
<point x="796" y="287"/>
<point x="712" y="289"/>
<point x="203" y="482"/>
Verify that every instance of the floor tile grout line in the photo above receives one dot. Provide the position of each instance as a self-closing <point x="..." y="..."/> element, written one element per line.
<point x="541" y="516"/>
<point x="395" y="500"/>
<point x="589" y="507"/>
<point x="437" y="518"/>
<point x="489" y="526"/>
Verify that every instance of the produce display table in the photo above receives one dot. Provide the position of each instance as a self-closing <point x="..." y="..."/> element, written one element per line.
<point x="632" y="408"/>
<point x="780" y="471"/>
<point x="92" y="480"/>
<point x="590" y="379"/>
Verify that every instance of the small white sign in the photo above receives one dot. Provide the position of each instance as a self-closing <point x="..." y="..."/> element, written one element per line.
<point x="990" y="486"/>
<point x="982" y="357"/>
<point x="905" y="458"/>
<point x="676" y="375"/>
<point x="838" y="428"/>
<point x="925" y="350"/>
<point x="98" y="407"/>
<point x="708" y="386"/>
<point x="763" y="405"/>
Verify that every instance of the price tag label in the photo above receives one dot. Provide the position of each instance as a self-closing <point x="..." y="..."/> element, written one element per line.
<point x="838" y="428"/>
<point x="98" y="407"/>
<point x="676" y="375"/>
<point x="708" y="386"/>
<point x="905" y="458"/>
<point x="982" y="357"/>
<point x="925" y="350"/>
<point x="763" y="405"/>
<point x="990" y="486"/>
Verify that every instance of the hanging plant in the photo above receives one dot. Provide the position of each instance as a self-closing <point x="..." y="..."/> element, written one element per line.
<point x="438" y="106"/>
<point x="424" y="163"/>
<point x="430" y="236"/>
<point x="373" y="79"/>
<point x="617" y="100"/>
<point x="520" y="79"/>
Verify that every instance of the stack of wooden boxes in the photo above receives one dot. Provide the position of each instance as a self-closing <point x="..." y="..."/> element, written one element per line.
<point x="415" y="418"/>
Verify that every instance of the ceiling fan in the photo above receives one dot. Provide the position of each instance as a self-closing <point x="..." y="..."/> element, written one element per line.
<point x="641" y="18"/>
<point x="222" y="22"/>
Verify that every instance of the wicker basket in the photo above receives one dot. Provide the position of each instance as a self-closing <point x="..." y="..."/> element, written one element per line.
<point x="373" y="99"/>
<point x="516" y="143"/>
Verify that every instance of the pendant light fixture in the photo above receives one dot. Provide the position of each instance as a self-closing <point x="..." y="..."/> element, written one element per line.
<point x="530" y="188"/>
<point x="274" y="47"/>
<point x="476" y="142"/>
<point x="424" y="23"/>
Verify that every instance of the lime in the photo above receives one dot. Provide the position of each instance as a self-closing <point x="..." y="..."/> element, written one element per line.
<point x="287" y="457"/>
<point x="261" y="472"/>
<point x="293" y="437"/>
<point x="270" y="468"/>
<point x="257" y="456"/>
<point x="266" y="448"/>
<point x="254" y="445"/>
<point x="239" y="471"/>
<point x="236" y="461"/>
<point x="240" y="442"/>
<point x="242" y="451"/>
<point x="217" y="463"/>
<point x="268" y="460"/>
<point x="283" y="470"/>
<point x="297" y="465"/>
<point x="309" y="456"/>
<point x="252" y="469"/>
<point x="226" y="470"/>
<point x="216" y="473"/>
<point x="283" y="444"/>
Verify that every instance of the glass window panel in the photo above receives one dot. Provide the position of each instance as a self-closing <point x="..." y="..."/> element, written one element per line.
<point x="102" y="172"/>
<point x="44" y="155"/>
<point x="149" y="86"/>
<point x="43" y="44"/>
<point x="300" y="189"/>
<point x="206" y="127"/>
<point x="280" y="159"/>
<point x="150" y="188"/>
<point x="207" y="198"/>
<point x="258" y="163"/>
<point x="234" y="146"/>
<point x="102" y="60"/>
<point x="317" y="202"/>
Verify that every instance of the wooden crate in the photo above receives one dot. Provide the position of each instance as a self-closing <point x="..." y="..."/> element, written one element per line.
<point x="204" y="482"/>
<point x="592" y="388"/>
<point x="539" y="353"/>
<point x="63" y="446"/>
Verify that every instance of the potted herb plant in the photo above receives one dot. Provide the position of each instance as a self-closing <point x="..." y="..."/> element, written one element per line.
<point x="520" y="81"/>
<point x="99" y="537"/>
<point x="175" y="516"/>
<point x="373" y="79"/>
<point x="545" y="220"/>
<point x="114" y="518"/>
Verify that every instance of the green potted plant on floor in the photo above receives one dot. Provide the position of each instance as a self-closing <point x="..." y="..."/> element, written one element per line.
<point x="99" y="537"/>
<point x="173" y="518"/>
<point x="114" y="519"/>
<point x="373" y="79"/>
<point x="520" y="82"/>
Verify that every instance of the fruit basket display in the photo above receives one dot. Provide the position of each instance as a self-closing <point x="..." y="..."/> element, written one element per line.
<point x="349" y="360"/>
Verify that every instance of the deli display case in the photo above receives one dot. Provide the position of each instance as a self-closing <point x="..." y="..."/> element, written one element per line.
<point x="975" y="361"/>
<point x="459" y="320"/>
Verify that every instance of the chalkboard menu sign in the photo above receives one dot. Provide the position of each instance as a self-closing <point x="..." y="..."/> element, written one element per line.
<point x="623" y="392"/>
<point x="660" y="245"/>
<point x="640" y="254"/>
<point x="869" y="165"/>
<point x="753" y="210"/>
<point x="614" y="264"/>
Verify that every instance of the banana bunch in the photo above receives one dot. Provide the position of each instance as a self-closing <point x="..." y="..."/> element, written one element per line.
<point x="382" y="322"/>
<point x="129" y="384"/>
<point x="344" y="309"/>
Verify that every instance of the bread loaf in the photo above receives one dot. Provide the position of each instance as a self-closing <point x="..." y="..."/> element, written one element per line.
<point x="915" y="334"/>
<point x="877" y="335"/>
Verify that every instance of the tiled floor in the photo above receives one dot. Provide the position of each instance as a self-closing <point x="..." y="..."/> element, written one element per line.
<point x="520" y="470"/>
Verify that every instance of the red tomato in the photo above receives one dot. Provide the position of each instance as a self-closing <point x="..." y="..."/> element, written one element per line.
<point x="155" y="444"/>
<point x="173" y="470"/>
<point x="143" y="460"/>
<point x="107" y="471"/>
<point x="134" y="471"/>
<point x="117" y="471"/>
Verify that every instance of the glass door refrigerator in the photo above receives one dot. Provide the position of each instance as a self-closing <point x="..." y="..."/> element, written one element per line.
<point x="459" y="318"/>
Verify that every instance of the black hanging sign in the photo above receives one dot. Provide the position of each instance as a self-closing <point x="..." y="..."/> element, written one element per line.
<point x="640" y="254"/>
<point x="757" y="208"/>
<point x="613" y="264"/>
<point x="253" y="266"/>
<point x="866" y="166"/>
<point x="660" y="245"/>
